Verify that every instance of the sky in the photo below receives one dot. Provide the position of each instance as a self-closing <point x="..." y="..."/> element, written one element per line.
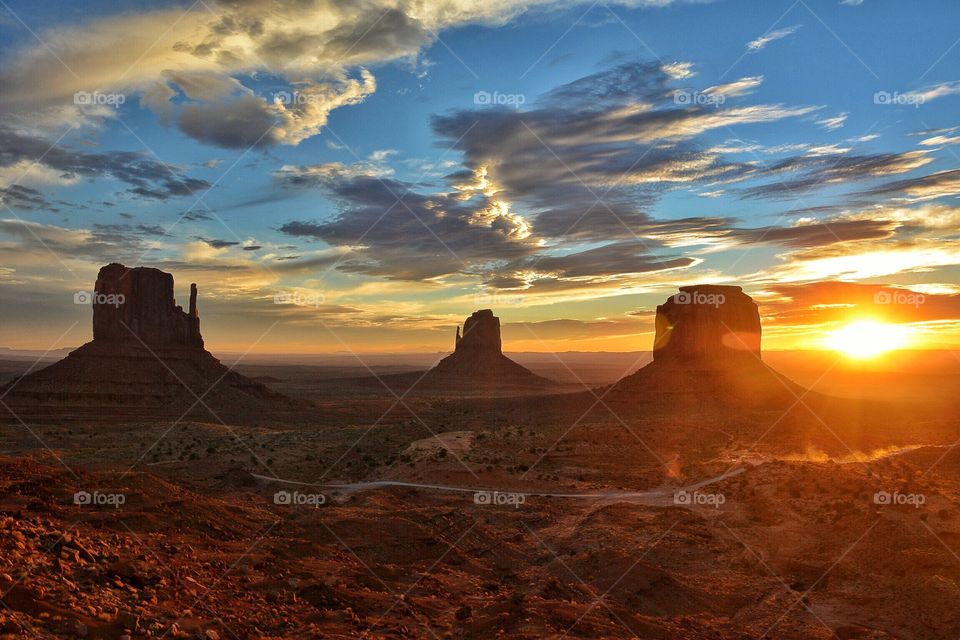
<point x="361" y="176"/>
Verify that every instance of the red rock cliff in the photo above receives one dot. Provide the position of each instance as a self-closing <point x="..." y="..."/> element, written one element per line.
<point x="707" y="326"/>
<point x="139" y="303"/>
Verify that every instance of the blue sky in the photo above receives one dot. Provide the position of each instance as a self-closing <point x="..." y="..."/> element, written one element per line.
<point x="776" y="145"/>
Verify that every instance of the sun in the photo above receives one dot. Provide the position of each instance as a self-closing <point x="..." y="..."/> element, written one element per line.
<point x="867" y="338"/>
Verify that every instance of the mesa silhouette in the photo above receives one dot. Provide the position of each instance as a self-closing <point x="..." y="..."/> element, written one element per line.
<point x="146" y="361"/>
<point x="707" y="350"/>
<point x="478" y="358"/>
<point x="476" y="367"/>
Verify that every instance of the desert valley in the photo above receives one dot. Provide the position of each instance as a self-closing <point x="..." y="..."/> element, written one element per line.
<point x="462" y="320"/>
<point x="150" y="491"/>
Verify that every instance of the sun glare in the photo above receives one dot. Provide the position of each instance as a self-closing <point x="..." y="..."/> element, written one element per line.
<point x="867" y="338"/>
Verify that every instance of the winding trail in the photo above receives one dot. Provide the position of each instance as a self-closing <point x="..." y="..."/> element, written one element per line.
<point x="656" y="497"/>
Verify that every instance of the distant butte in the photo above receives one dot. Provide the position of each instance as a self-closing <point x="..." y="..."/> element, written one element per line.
<point x="146" y="361"/>
<point x="478" y="357"/>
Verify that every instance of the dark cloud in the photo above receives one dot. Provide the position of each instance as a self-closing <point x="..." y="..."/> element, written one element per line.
<point x="585" y="164"/>
<point x="124" y="234"/>
<point x="376" y="33"/>
<point x="239" y="123"/>
<point x="625" y="83"/>
<point x="146" y="177"/>
<point x="816" y="235"/>
<point x="196" y="216"/>
<point x="830" y="169"/>
<point x="401" y="234"/>
<point x="935" y="185"/>
<point x="617" y="258"/>
<point x="217" y="244"/>
<point x="19" y="197"/>
<point x="100" y="244"/>
<point x="592" y="156"/>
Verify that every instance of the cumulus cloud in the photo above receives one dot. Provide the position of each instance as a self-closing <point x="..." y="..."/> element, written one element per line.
<point x="186" y="65"/>
<point x="679" y="70"/>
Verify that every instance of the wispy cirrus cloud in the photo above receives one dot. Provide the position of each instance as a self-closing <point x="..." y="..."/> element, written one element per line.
<point x="771" y="36"/>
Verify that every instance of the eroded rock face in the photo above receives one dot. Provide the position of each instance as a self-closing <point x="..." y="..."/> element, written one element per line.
<point x="707" y="326"/>
<point x="478" y="358"/>
<point x="481" y="334"/>
<point x="146" y="362"/>
<point x="133" y="305"/>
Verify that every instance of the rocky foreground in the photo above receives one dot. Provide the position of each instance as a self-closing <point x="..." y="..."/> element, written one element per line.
<point x="200" y="549"/>
<point x="705" y="496"/>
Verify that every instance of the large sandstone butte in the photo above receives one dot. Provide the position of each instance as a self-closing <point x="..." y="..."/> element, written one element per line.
<point x="146" y="362"/>
<point x="478" y="358"/>
<point x="707" y="326"/>
<point x="148" y="312"/>
<point x="707" y="351"/>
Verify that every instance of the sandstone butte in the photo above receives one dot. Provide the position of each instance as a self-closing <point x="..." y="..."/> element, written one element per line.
<point x="146" y="361"/>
